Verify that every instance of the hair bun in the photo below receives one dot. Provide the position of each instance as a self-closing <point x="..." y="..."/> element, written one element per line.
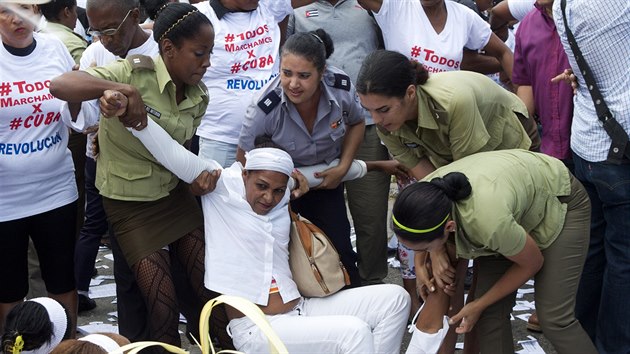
<point x="455" y="185"/>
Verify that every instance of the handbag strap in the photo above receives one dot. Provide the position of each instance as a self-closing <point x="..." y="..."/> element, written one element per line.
<point x="619" y="137"/>
<point x="249" y="309"/>
<point x="303" y="233"/>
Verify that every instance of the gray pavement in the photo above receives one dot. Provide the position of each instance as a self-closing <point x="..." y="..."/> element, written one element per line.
<point x="104" y="312"/>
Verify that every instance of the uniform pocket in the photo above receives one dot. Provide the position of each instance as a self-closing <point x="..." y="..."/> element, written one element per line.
<point x="338" y="133"/>
<point x="132" y="180"/>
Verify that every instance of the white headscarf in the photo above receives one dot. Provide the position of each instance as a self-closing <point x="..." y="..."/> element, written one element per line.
<point x="105" y="342"/>
<point x="270" y="159"/>
<point x="59" y="320"/>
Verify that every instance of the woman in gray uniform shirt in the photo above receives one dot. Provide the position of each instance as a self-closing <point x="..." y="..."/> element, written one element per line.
<point x="312" y="111"/>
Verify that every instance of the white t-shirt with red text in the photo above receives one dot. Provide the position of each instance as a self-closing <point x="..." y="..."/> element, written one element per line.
<point x="245" y="57"/>
<point x="36" y="170"/>
<point x="407" y="29"/>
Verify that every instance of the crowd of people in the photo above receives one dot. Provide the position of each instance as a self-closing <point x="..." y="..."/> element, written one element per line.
<point x="178" y="129"/>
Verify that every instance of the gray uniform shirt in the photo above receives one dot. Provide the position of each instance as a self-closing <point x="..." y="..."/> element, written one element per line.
<point x="275" y="116"/>
<point x="354" y="32"/>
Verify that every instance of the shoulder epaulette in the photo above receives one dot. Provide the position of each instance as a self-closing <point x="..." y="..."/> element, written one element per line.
<point x="341" y="82"/>
<point x="269" y="101"/>
<point x="139" y="62"/>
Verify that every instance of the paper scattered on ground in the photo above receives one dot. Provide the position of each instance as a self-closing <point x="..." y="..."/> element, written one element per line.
<point x="530" y="346"/>
<point x="523" y="305"/>
<point x="101" y="291"/>
<point x="97" y="327"/>
<point x="393" y="262"/>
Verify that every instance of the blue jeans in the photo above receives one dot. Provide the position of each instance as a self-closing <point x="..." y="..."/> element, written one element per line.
<point x="221" y="152"/>
<point x="602" y="300"/>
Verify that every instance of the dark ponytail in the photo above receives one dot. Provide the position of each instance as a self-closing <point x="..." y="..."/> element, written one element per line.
<point x="30" y="321"/>
<point x="421" y="210"/>
<point x="389" y="73"/>
<point x="178" y="21"/>
<point x="315" y="46"/>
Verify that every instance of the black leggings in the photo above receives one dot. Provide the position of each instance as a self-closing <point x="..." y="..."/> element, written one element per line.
<point x="53" y="235"/>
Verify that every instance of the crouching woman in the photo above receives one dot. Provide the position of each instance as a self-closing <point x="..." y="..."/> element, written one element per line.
<point x="512" y="204"/>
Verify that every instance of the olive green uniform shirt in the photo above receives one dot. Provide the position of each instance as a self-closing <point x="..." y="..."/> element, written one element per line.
<point x="73" y="41"/>
<point x="459" y="113"/>
<point x="514" y="193"/>
<point x="126" y="170"/>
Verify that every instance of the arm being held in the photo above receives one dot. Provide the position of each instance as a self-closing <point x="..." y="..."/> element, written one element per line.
<point x="333" y="176"/>
<point x="183" y="163"/>
<point x="79" y="86"/>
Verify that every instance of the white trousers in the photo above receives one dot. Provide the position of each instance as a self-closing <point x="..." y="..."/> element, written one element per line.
<point x="370" y="319"/>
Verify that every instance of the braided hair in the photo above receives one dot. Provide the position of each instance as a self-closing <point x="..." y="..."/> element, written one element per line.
<point x="178" y="21"/>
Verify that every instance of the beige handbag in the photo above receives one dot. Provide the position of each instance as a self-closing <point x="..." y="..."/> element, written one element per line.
<point x="248" y="308"/>
<point x="314" y="261"/>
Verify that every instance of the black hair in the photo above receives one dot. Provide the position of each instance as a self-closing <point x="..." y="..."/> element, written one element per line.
<point x="123" y="5"/>
<point x="30" y="320"/>
<point x="389" y="73"/>
<point x="75" y="346"/>
<point x="51" y="10"/>
<point x="314" y="46"/>
<point x="153" y="7"/>
<point x="424" y="205"/>
<point x="265" y="141"/>
<point x="178" y="21"/>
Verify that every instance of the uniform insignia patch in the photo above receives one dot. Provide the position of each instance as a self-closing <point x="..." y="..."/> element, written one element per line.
<point x="342" y="82"/>
<point x="269" y="102"/>
<point x="152" y="111"/>
<point x="141" y="62"/>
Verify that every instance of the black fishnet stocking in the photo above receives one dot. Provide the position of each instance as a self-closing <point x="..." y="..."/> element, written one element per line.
<point x="153" y="274"/>
<point x="190" y="251"/>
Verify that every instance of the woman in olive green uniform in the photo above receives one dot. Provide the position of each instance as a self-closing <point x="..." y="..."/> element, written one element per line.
<point x="514" y="204"/>
<point x="151" y="211"/>
<point x="427" y="122"/>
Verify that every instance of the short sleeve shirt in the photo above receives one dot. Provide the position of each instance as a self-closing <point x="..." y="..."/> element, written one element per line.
<point x="244" y="58"/>
<point x="36" y="170"/>
<point x="126" y="170"/>
<point x="459" y="113"/>
<point x="407" y="29"/>
<point x="74" y="42"/>
<point x="275" y="116"/>
<point x="514" y="193"/>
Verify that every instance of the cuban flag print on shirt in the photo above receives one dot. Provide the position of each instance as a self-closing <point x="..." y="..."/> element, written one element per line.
<point x="311" y="13"/>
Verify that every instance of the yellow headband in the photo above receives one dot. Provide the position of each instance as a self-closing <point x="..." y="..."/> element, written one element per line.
<point x="418" y="231"/>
